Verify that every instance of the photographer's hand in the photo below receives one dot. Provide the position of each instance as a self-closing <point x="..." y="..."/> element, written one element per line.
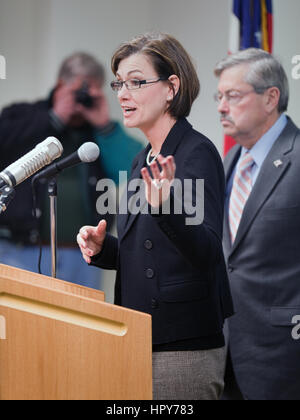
<point x="64" y="105"/>
<point x="98" y="115"/>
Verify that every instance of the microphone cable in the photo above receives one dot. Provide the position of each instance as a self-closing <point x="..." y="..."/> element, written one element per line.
<point x="35" y="215"/>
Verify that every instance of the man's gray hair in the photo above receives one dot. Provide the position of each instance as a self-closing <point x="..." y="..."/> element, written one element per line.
<point x="81" y="64"/>
<point x="265" y="71"/>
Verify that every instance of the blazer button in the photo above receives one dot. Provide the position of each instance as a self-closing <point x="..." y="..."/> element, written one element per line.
<point x="154" y="304"/>
<point x="148" y="244"/>
<point x="149" y="273"/>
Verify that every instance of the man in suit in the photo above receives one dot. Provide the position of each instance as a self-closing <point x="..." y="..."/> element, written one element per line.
<point x="262" y="227"/>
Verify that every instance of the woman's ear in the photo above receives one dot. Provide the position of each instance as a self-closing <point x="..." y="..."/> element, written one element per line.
<point x="174" y="86"/>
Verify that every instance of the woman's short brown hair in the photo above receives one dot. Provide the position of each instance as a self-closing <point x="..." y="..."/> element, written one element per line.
<point x="168" y="57"/>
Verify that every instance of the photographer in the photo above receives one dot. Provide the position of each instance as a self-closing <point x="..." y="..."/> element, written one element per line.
<point x="76" y="111"/>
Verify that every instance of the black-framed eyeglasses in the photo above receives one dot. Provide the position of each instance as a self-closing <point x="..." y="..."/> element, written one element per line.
<point x="133" y="84"/>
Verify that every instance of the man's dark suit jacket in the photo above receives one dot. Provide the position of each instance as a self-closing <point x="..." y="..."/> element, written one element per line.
<point x="172" y="271"/>
<point x="264" y="273"/>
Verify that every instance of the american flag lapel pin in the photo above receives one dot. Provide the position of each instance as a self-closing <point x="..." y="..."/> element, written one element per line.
<point x="278" y="163"/>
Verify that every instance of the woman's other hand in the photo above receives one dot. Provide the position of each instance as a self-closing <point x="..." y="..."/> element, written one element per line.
<point x="90" y="240"/>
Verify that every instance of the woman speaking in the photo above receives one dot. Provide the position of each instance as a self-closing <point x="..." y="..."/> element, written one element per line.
<point x="167" y="264"/>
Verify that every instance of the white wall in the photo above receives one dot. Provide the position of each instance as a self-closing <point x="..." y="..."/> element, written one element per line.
<point x="35" y="35"/>
<point x="17" y="45"/>
<point x="287" y="45"/>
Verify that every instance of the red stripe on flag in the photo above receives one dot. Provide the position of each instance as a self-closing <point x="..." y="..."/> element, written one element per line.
<point x="229" y="142"/>
<point x="270" y="31"/>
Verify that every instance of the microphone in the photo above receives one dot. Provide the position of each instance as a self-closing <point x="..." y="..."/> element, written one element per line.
<point x="43" y="154"/>
<point x="88" y="152"/>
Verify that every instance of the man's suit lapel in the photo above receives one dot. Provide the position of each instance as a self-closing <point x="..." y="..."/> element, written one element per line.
<point x="263" y="188"/>
<point x="273" y="169"/>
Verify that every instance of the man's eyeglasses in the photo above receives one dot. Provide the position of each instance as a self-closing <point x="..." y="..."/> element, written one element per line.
<point x="232" y="97"/>
<point x="133" y="84"/>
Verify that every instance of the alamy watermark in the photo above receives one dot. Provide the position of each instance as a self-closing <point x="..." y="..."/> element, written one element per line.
<point x="296" y="68"/>
<point x="186" y="197"/>
<point x="2" y="68"/>
<point x="296" y="329"/>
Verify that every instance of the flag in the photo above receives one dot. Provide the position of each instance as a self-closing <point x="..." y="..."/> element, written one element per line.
<point x="251" y="25"/>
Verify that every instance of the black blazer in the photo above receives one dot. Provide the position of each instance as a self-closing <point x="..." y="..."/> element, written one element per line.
<point x="165" y="268"/>
<point x="264" y="273"/>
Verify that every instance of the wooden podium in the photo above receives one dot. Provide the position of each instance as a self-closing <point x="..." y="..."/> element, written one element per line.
<point x="60" y="341"/>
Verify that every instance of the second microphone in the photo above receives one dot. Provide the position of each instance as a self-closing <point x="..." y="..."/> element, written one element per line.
<point x="87" y="153"/>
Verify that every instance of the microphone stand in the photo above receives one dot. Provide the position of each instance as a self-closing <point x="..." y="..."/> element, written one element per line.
<point x="7" y="193"/>
<point x="52" y="191"/>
